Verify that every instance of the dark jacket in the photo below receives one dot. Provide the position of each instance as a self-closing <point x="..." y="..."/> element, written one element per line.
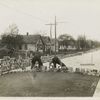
<point x="36" y="58"/>
<point x="56" y="60"/>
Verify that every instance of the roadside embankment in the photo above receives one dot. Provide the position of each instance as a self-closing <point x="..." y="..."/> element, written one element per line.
<point x="65" y="55"/>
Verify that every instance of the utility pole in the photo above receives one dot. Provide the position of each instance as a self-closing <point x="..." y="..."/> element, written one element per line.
<point x="55" y="34"/>
<point x="50" y="24"/>
<point x="55" y="23"/>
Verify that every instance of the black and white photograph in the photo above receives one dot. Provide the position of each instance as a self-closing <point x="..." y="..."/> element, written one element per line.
<point x="50" y="48"/>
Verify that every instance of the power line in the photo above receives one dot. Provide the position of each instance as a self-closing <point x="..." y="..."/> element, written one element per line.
<point x="20" y="11"/>
<point x="50" y="24"/>
<point x="55" y="23"/>
<point x="56" y="33"/>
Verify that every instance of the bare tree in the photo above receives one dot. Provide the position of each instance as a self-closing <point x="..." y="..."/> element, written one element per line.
<point x="11" y="38"/>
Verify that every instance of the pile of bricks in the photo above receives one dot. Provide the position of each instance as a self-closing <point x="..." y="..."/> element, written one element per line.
<point x="8" y="64"/>
<point x="84" y="71"/>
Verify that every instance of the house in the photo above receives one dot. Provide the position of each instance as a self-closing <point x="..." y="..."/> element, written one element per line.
<point x="38" y="43"/>
<point x="67" y="45"/>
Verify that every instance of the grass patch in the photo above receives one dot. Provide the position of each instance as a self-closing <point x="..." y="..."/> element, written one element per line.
<point x="47" y="84"/>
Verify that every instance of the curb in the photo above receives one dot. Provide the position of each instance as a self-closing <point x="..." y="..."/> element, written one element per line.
<point x="97" y="90"/>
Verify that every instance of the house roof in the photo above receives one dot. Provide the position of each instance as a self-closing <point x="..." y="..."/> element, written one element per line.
<point x="32" y="39"/>
<point x="45" y="39"/>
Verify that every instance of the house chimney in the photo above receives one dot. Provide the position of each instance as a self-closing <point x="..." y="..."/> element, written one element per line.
<point x="27" y="33"/>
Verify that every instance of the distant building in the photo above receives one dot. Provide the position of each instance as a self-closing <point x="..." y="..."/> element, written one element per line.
<point x="69" y="45"/>
<point x="38" y="43"/>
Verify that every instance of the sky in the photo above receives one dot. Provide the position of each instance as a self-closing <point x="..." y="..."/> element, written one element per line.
<point x="78" y="16"/>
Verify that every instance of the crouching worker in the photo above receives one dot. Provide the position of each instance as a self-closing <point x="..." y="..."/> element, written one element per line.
<point x="55" y="60"/>
<point x="36" y="62"/>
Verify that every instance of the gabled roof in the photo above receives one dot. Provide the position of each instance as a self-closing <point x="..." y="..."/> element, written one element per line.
<point x="31" y="39"/>
<point x="45" y="39"/>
